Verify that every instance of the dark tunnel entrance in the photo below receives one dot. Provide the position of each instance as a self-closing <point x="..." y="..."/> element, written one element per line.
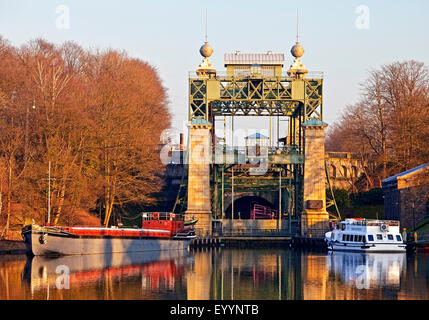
<point x="243" y="207"/>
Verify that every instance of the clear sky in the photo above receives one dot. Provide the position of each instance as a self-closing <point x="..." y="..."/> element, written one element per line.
<point x="338" y="40"/>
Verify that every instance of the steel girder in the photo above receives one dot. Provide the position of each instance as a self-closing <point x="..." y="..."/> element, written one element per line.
<point x="223" y="96"/>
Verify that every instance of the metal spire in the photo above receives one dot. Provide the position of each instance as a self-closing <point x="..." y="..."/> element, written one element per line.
<point x="207" y="24"/>
<point x="297" y="25"/>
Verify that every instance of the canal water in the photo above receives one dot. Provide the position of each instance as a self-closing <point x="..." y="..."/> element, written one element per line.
<point x="217" y="274"/>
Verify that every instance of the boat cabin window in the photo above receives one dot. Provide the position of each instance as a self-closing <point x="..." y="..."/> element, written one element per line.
<point x="398" y="238"/>
<point x="370" y="237"/>
<point x="354" y="238"/>
<point x="390" y="237"/>
<point x="379" y="237"/>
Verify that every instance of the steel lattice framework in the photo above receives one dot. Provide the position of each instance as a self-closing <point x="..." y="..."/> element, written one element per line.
<point x="224" y="96"/>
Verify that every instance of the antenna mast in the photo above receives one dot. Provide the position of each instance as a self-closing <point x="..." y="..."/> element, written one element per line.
<point x="207" y="24"/>
<point x="297" y="25"/>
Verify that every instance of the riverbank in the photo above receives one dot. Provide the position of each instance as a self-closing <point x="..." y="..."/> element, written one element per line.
<point x="12" y="247"/>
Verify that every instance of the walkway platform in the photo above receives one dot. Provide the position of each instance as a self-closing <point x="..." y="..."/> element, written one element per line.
<point x="259" y="242"/>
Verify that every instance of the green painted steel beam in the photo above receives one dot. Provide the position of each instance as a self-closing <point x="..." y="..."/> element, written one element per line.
<point x="254" y="97"/>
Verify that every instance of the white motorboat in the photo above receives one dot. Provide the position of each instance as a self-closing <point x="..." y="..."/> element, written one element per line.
<point x="364" y="235"/>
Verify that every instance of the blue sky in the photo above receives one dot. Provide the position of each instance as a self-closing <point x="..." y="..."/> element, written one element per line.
<point x="168" y="34"/>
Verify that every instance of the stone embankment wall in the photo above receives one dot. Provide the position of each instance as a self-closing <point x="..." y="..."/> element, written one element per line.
<point x="11" y="247"/>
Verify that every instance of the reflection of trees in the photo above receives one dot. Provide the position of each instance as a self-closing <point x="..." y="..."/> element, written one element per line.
<point x="160" y="279"/>
<point x="11" y="286"/>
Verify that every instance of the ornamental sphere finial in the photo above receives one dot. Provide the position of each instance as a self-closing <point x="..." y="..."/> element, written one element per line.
<point x="206" y="50"/>
<point x="297" y="50"/>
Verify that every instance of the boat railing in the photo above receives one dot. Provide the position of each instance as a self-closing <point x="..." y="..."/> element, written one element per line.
<point x="164" y="216"/>
<point x="390" y="223"/>
<point x="374" y="223"/>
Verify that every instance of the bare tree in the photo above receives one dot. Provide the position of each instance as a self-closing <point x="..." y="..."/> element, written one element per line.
<point x="389" y="123"/>
<point x="96" y="116"/>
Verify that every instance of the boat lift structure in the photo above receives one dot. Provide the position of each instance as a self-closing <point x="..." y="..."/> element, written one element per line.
<point x="255" y="85"/>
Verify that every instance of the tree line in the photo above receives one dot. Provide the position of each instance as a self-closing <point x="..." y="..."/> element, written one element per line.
<point x="388" y="126"/>
<point x="95" y="116"/>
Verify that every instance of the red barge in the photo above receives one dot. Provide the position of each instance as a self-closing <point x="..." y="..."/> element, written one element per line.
<point x="159" y="232"/>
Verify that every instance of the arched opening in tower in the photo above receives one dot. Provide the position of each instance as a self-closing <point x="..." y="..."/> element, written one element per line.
<point x="243" y="207"/>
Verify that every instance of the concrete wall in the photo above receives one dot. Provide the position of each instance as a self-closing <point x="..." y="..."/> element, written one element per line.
<point x="344" y="169"/>
<point x="407" y="205"/>
<point x="406" y="197"/>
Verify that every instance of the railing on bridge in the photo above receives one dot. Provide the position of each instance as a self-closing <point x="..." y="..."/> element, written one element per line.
<point x="262" y="212"/>
<point x="244" y="232"/>
<point x="223" y="75"/>
<point x="247" y="232"/>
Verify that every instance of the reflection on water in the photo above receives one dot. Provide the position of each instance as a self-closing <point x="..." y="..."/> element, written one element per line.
<point x="366" y="271"/>
<point x="230" y="274"/>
